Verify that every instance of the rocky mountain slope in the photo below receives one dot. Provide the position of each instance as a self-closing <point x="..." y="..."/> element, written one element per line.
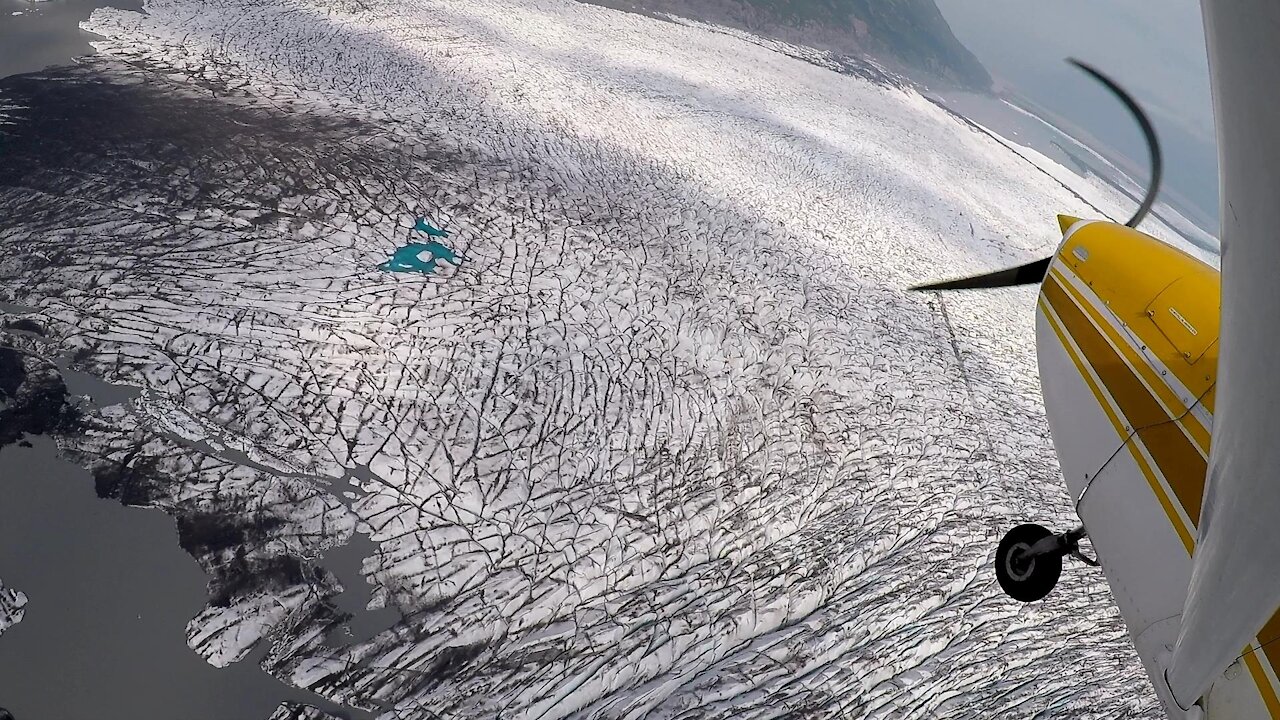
<point x="910" y="36"/>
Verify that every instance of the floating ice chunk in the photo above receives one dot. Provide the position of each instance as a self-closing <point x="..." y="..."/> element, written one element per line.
<point x="12" y="607"/>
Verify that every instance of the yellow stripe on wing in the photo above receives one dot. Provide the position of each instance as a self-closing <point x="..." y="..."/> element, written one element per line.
<point x="1165" y="394"/>
<point x="1117" y="421"/>
<point x="1143" y="423"/>
<point x="1260" y="679"/>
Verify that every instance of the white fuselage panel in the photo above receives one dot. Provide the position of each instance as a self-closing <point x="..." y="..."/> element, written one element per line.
<point x="1109" y="474"/>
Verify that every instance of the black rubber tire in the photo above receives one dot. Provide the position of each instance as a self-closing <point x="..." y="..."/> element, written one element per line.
<point x="1031" y="580"/>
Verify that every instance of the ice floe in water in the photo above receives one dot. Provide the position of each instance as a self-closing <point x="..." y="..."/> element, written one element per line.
<point x="12" y="603"/>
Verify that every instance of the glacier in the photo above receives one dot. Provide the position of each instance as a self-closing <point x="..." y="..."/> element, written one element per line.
<point x="674" y="442"/>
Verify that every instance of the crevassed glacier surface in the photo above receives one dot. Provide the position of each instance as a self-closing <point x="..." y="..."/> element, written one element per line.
<point x="673" y="442"/>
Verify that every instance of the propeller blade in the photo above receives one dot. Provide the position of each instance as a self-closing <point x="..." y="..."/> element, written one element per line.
<point x="1148" y="134"/>
<point x="1034" y="272"/>
<point x="1030" y="274"/>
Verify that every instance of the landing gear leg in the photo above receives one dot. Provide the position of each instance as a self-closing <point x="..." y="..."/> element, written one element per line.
<point x="1029" y="560"/>
<point x="1073" y="539"/>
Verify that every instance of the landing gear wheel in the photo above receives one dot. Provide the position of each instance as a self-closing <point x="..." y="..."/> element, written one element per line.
<point x="1026" y="578"/>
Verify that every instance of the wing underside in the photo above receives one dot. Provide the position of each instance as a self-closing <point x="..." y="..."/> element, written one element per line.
<point x="1235" y="582"/>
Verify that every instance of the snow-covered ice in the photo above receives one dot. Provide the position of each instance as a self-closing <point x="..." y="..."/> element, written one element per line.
<point x="673" y="442"/>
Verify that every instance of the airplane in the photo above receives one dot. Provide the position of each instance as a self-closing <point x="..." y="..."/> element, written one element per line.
<point x="1146" y="355"/>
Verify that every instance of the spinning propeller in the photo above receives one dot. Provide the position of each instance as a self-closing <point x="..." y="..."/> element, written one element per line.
<point x="1033" y="272"/>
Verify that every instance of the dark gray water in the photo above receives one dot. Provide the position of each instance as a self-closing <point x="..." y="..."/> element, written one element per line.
<point x="46" y="33"/>
<point x="346" y="562"/>
<point x="99" y="393"/>
<point x="110" y="595"/>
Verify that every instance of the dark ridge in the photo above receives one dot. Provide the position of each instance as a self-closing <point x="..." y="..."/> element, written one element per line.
<point x="34" y="397"/>
<point x="12" y="373"/>
<point x="452" y="659"/>
<point x="244" y="575"/>
<point x="26" y="325"/>
<point x="136" y="484"/>
<point x="204" y="533"/>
